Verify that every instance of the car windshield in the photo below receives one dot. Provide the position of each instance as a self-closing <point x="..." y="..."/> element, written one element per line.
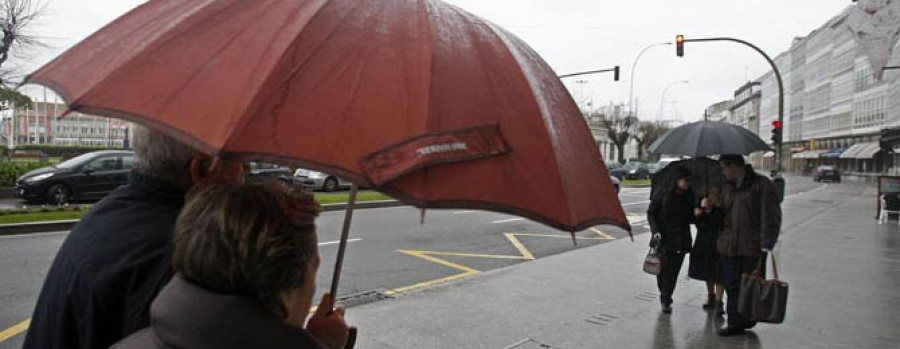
<point x="76" y="161"/>
<point x="826" y="168"/>
<point x="633" y="165"/>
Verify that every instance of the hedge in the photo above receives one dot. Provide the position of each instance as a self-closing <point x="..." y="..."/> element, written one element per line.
<point x="10" y="171"/>
<point x="63" y="151"/>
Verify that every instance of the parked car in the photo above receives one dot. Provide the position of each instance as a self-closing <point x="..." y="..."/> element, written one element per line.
<point x="320" y="181"/>
<point x="616" y="183"/>
<point x="260" y="171"/>
<point x="827" y="173"/>
<point x="88" y="177"/>
<point x="632" y="170"/>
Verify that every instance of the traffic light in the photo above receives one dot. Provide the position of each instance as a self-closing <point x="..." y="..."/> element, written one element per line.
<point x="776" y="131"/>
<point x="679" y="45"/>
<point x="616" y="73"/>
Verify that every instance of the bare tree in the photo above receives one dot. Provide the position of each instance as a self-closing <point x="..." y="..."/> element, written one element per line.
<point x="620" y="129"/>
<point x="646" y="133"/>
<point x="16" y="19"/>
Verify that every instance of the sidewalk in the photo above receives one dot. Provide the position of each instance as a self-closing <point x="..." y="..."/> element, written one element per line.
<point x="843" y="269"/>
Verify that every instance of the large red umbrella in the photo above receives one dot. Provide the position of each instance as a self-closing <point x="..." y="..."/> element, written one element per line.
<point x="418" y="98"/>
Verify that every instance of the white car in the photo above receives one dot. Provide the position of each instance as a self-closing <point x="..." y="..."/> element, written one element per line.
<point x="319" y="180"/>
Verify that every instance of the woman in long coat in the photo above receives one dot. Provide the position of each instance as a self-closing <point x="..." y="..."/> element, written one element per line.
<point x="704" y="262"/>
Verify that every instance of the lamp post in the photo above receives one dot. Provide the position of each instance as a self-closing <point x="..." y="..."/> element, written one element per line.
<point x="662" y="101"/>
<point x="633" y="66"/>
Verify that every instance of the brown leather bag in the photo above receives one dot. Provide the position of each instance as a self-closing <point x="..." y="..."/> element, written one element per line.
<point x="763" y="300"/>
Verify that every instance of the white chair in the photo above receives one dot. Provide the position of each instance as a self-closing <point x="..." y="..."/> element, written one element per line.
<point x="885" y="212"/>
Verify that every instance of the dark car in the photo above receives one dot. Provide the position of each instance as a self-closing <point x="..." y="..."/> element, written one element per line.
<point x="827" y="173"/>
<point x="631" y="170"/>
<point x="260" y="171"/>
<point x="88" y="177"/>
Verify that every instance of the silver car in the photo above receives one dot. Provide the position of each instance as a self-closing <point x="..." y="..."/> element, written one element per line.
<point x="319" y="180"/>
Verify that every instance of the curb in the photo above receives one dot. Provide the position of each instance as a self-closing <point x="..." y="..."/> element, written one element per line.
<point x="637" y="186"/>
<point x="65" y="225"/>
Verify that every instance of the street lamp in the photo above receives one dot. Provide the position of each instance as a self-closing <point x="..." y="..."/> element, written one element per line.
<point x="662" y="101"/>
<point x="633" y="66"/>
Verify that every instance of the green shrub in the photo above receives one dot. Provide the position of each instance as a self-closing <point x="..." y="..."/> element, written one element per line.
<point x="10" y="171"/>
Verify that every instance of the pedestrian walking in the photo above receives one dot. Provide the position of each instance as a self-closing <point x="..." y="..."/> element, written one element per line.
<point x="118" y="257"/>
<point x="752" y="221"/>
<point x="245" y="264"/>
<point x="704" y="261"/>
<point x="670" y="215"/>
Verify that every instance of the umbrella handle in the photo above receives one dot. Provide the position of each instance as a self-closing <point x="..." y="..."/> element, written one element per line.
<point x="342" y="249"/>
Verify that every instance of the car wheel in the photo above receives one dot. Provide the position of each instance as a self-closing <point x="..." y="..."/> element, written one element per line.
<point x="59" y="194"/>
<point x="330" y="185"/>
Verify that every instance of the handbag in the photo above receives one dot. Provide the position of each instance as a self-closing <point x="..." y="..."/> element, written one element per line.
<point x="763" y="300"/>
<point x="655" y="259"/>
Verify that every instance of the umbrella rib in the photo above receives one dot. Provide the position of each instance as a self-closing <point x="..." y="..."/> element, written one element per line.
<point x="293" y="51"/>
<point x="513" y="50"/>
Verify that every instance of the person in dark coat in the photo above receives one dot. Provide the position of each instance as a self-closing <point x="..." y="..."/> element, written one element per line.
<point x="245" y="262"/>
<point x="704" y="261"/>
<point x="670" y="215"/>
<point x="751" y="227"/>
<point x="117" y="258"/>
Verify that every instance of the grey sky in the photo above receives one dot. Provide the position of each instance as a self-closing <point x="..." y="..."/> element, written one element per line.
<point x="577" y="35"/>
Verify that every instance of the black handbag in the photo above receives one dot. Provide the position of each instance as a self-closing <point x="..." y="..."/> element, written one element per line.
<point x="763" y="300"/>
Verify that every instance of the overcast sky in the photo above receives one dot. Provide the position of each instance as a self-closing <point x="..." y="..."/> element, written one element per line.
<point x="578" y="35"/>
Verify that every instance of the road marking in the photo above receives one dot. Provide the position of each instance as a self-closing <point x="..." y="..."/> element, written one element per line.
<point x="509" y="220"/>
<point x="637" y="203"/>
<point x="605" y="236"/>
<point x="464" y="212"/>
<point x="466" y="271"/>
<point x="335" y="242"/>
<point x="14" y="330"/>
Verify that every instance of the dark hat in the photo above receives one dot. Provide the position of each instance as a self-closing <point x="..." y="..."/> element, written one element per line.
<point x="732" y="160"/>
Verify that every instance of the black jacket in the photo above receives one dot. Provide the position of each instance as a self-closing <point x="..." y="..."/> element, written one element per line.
<point x="752" y="217"/>
<point x="671" y="217"/>
<point x="109" y="269"/>
<point x="185" y="315"/>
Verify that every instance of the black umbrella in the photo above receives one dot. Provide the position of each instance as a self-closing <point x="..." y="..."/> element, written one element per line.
<point x="705" y="173"/>
<point x="704" y="138"/>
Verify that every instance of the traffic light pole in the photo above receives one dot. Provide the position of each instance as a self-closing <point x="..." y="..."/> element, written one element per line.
<point x="614" y="70"/>
<point x="779" y="167"/>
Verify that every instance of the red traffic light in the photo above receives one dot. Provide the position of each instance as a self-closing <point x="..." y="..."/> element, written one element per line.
<point x="777" y="124"/>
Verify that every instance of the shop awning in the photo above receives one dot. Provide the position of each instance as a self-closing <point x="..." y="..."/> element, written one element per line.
<point x="852" y="151"/>
<point x="769" y="154"/>
<point x="869" y="152"/>
<point x="833" y="153"/>
<point x="809" y="154"/>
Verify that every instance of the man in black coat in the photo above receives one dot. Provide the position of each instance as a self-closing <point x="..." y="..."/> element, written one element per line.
<point x="114" y="262"/>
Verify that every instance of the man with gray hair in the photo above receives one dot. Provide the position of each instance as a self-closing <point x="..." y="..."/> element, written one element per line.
<point x="114" y="262"/>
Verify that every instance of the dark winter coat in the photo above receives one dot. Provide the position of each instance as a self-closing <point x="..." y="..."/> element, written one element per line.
<point x="185" y="315"/>
<point x="752" y="217"/>
<point x="109" y="269"/>
<point x="671" y="216"/>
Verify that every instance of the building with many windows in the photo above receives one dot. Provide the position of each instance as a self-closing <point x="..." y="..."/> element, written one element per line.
<point x="835" y="108"/>
<point x="44" y="124"/>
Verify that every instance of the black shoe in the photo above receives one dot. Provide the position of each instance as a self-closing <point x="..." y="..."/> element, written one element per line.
<point x="666" y="308"/>
<point x="720" y="308"/>
<point x="710" y="302"/>
<point x="729" y="330"/>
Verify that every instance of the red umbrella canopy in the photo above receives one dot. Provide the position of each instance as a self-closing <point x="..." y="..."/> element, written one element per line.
<point x="419" y="98"/>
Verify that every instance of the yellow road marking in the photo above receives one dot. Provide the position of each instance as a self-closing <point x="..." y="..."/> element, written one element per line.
<point x="466" y="271"/>
<point x="14" y="330"/>
<point x="605" y="236"/>
<point x="518" y="244"/>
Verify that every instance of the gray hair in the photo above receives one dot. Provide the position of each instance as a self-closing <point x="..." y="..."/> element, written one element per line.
<point x="161" y="157"/>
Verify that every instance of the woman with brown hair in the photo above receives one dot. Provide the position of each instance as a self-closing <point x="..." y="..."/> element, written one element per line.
<point x="245" y="263"/>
